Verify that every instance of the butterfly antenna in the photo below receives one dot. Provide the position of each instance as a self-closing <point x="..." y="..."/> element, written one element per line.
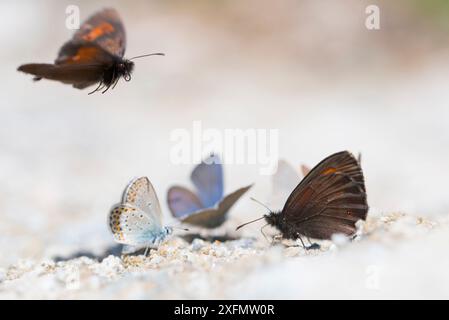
<point x="148" y="55"/>
<point x="181" y="228"/>
<point x="262" y="204"/>
<point x="242" y="225"/>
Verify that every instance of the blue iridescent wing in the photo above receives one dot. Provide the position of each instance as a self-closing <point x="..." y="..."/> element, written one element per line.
<point x="182" y="202"/>
<point x="208" y="180"/>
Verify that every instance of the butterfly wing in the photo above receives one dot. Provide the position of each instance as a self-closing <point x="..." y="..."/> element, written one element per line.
<point x="215" y="217"/>
<point x="232" y="198"/>
<point x="330" y="199"/>
<point x="83" y="60"/>
<point x="99" y="41"/>
<point x="104" y="29"/>
<point x="208" y="180"/>
<point x="141" y="194"/>
<point x="205" y="218"/>
<point x="80" y="76"/>
<point x="182" y="202"/>
<point x="132" y="226"/>
<point x="285" y="179"/>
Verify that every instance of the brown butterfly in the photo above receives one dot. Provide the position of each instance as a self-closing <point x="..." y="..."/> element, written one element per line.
<point x="330" y="199"/>
<point x="93" y="55"/>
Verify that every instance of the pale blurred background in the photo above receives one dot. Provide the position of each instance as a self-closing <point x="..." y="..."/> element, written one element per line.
<point x="309" y="68"/>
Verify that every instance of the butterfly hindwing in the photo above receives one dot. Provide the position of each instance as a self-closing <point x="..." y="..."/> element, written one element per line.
<point x="132" y="226"/>
<point x="77" y="75"/>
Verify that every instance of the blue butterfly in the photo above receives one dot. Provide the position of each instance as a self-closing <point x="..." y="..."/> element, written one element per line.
<point x="207" y="208"/>
<point x="136" y="221"/>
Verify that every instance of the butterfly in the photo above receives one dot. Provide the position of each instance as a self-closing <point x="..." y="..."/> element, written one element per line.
<point x="93" y="55"/>
<point x="330" y="199"/>
<point x="207" y="208"/>
<point x="287" y="177"/>
<point x="136" y="220"/>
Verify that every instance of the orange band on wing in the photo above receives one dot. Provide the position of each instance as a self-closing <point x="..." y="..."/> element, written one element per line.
<point x="329" y="171"/>
<point x="102" y="29"/>
<point x="84" y="54"/>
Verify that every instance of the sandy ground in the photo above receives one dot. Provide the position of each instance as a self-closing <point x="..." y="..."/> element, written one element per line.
<point x="389" y="259"/>
<point x="324" y="81"/>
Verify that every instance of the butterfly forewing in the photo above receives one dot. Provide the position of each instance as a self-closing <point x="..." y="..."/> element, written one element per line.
<point x="104" y="29"/>
<point x="330" y="199"/>
<point x="141" y="194"/>
<point x="208" y="179"/>
<point x="182" y="201"/>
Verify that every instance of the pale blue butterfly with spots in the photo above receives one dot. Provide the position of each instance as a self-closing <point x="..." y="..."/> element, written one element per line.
<point x="136" y="222"/>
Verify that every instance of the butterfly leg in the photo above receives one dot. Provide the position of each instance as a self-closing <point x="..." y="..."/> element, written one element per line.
<point x="277" y="237"/>
<point x="115" y="83"/>
<point x="111" y="83"/>
<point x="106" y="90"/>
<point x="146" y="251"/>
<point x="263" y="233"/>
<point x="97" y="88"/>
<point x="302" y="242"/>
<point x="313" y="245"/>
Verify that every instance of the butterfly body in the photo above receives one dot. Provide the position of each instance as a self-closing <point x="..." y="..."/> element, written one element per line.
<point x="136" y="221"/>
<point x="330" y="199"/>
<point x="277" y="219"/>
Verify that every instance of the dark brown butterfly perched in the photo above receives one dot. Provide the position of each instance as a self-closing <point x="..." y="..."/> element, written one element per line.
<point x="93" y="55"/>
<point x="330" y="199"/>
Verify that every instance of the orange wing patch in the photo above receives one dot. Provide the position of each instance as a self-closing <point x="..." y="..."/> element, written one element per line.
<point x="329" y="171"/>
<point x="114" y="223"/>
<point x="84" y="54"/>
<point x="102" y="29"/>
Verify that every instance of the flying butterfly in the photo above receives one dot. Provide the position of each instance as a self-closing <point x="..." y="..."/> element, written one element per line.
<point x="94" y="55"/>
<point x="330" y="199"/>
<point x="136" y="220"/>
<point x="207" y="208"/>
